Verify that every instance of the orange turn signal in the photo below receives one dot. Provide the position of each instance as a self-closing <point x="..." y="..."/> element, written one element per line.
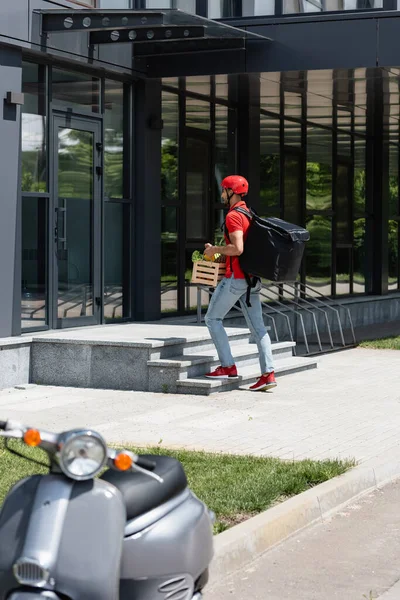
<point x="32" y="437"/>
<point x="123" y="462"/>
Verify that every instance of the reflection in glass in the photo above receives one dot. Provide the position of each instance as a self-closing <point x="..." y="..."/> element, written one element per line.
<point x="169" y="147"/>
<point x="359" y="257"/>
<point x="343" y="144"/>
<point x="254" y="8"/>
<point x="114" y="140"/>
<point x="169" y="259"/>
<point x="344" y="119"/>
<point x="201" y="84"/>
<point x="197" y="114"/>
<point x="220" y="214"/>
<point x="75" y="90"/>
<point x="197" y="188"/>
<point x="270" y="92"/>
<point x="359" y="176"/>
<point x="319" y="254"/>
<point x="292" y="187"/>
<point x="292" y="133"/>
<point x="319" y="169"/>
<point x="116" y="259"/>
<point x="221" y="146"/>
<point x="34" y="263"/>
<point x="33" y="129"/>
<point x="269" y="165"/>
<point x="343" y="208"/>
<point x="393" y="265"/>
<point x="221" y="86"/>
<point x="74" y="223"/>
<point x="343" y="270"/>
<point x="293" y="104"/>
<point x="393" y="180"/>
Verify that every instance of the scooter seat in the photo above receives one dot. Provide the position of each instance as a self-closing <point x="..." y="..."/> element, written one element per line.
<point x="142" y="493"/>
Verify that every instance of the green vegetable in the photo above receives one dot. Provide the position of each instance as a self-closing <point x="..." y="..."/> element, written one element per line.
<point x="197" y="256"/>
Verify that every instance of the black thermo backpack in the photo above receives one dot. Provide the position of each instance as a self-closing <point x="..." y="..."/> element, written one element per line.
<point x="273" y="249"/>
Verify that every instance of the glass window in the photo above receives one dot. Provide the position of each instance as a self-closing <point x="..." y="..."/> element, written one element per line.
<point x="393" y="180"/>
<point x="114" y="140"/>
<point x="293" y="104"/>
<point x="197" y="113"/>
<point x="292" y="133"/>
<point x="169" y="259"/>
<point x="222" y="146"/>
<point x="75" y="91"/>
<point x="221" y="86"/>
<point x="269" y="166"/>
<point x="343" y="144"/>
<point x="319" y="169"/>
<point x="112" y="3"/>
<point x="34" y="263"/>
<point x="169" y="148"/>
<point x="197" y="188"/>
<point x="319" y="254"/>
<point x="218" y="9"/>
<point x="116" y="260"/>
<point x="343" y="270"/>
<point x="185" y="5"/>
<point x="359" y="257"/>
<point x="292" y="188"/>
<point x="33" y="129"/>
<point x="343" y="197"/>
<point x="393" y="234"/>
<point x="254" y="8"/>
<point x="270" y="92"/>
<point x="359" y="176"/>
<point x="344" y="119"/>
<point x="201" y="84"/>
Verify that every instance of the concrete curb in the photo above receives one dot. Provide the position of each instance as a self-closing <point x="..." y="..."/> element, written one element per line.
<point x="243" y="543"/>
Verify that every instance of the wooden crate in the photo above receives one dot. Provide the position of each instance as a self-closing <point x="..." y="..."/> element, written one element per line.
<point x="208" y="273"/>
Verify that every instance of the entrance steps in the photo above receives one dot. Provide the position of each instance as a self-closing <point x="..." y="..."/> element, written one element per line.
<point x="150" y="357"/>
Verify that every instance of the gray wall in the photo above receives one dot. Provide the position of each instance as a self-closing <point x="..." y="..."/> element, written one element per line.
<point x="10" y="80"/>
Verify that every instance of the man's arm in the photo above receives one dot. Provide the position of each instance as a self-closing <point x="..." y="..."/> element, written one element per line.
<point x="235" y="248"/>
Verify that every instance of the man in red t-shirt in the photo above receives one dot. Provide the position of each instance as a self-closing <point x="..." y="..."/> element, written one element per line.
<point x="233" y="288"/>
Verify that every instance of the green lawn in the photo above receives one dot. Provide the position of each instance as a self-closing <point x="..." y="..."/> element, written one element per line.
<point x="234" y="487"/>
<point x="390" y="343"/>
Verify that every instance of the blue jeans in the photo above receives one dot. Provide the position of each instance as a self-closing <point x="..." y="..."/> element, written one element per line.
<point x="227" y="293"/>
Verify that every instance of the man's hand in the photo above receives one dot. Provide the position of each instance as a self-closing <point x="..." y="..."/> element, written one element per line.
<point x="210" y="250"/>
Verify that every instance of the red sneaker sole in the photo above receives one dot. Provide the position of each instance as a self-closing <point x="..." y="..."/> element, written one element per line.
<point x="222" y="376"/>
<point x="264" y="388"/>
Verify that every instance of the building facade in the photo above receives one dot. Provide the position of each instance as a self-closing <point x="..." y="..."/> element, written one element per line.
<point x="112" y="158"/>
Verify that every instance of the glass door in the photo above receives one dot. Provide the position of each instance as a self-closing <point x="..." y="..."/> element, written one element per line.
<point x="77" y="222"/>
<point x="197" y="224"/>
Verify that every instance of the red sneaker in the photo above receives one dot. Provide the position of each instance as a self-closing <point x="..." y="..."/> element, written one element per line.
<point x="266" y="382"/>
<point x="223" y="373"/>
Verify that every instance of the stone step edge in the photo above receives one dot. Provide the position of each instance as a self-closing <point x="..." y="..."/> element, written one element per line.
<point x="238" y="352"/>
<point x="244" y="334"/>
<point x="282" y="367"/>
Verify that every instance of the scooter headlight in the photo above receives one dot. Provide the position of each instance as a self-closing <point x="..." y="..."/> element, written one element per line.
<point x="82" y="454"/>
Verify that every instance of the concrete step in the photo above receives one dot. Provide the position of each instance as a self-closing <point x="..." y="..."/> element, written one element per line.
<point x="166" y="372"/>
<point x="247" y="376"/>
<point x="171" y="348"/>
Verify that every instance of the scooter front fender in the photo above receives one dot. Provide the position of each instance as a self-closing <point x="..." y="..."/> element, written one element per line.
<point x="61" y="536"/>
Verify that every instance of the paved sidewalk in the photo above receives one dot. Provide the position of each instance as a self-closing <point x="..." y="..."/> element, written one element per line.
<point x="355" y="555"/>
<point x="349" y="407"/>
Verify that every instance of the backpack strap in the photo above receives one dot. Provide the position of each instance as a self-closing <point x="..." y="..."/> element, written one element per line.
<point x="251" y="281"/>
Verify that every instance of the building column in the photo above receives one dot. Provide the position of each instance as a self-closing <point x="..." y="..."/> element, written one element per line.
<point x="377" y="161"/>
<point x="248" y="146"/>
<point x="146" y="275"/>
<point x="10" y="218"/>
